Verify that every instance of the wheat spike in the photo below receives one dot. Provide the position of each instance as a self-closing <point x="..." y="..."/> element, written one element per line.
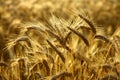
<point x="89" y="23"/>
<point x="103" y="38"/>
<point x="80" y="35"/>
<point x="58" y="52"/>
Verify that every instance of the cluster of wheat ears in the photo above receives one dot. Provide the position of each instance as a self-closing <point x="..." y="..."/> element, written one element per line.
<point x="60" y="48"/>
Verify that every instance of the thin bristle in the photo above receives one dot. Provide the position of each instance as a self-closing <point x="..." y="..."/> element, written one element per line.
<point x="85" y="27"/>
<point x="22" y="38"/>
<point x="67" y="36"/>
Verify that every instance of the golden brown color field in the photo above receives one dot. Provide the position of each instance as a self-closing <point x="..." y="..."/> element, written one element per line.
<point x="59" y="40"/>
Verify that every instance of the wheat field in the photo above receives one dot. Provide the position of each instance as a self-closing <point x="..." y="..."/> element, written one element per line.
<point x="59" y="40"/>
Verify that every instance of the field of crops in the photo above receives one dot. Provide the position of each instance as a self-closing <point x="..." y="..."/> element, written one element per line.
<point x="59" y="40"/>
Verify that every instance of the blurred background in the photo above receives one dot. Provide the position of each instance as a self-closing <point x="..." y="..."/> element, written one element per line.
<point x="14" y="12"/>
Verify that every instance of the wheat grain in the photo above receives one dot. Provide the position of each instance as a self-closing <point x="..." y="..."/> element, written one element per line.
<point x="3" y="64"/>
<point x="62" y="74"/>
<point x="109" y="77"/>
<point x="47" y="67"/>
